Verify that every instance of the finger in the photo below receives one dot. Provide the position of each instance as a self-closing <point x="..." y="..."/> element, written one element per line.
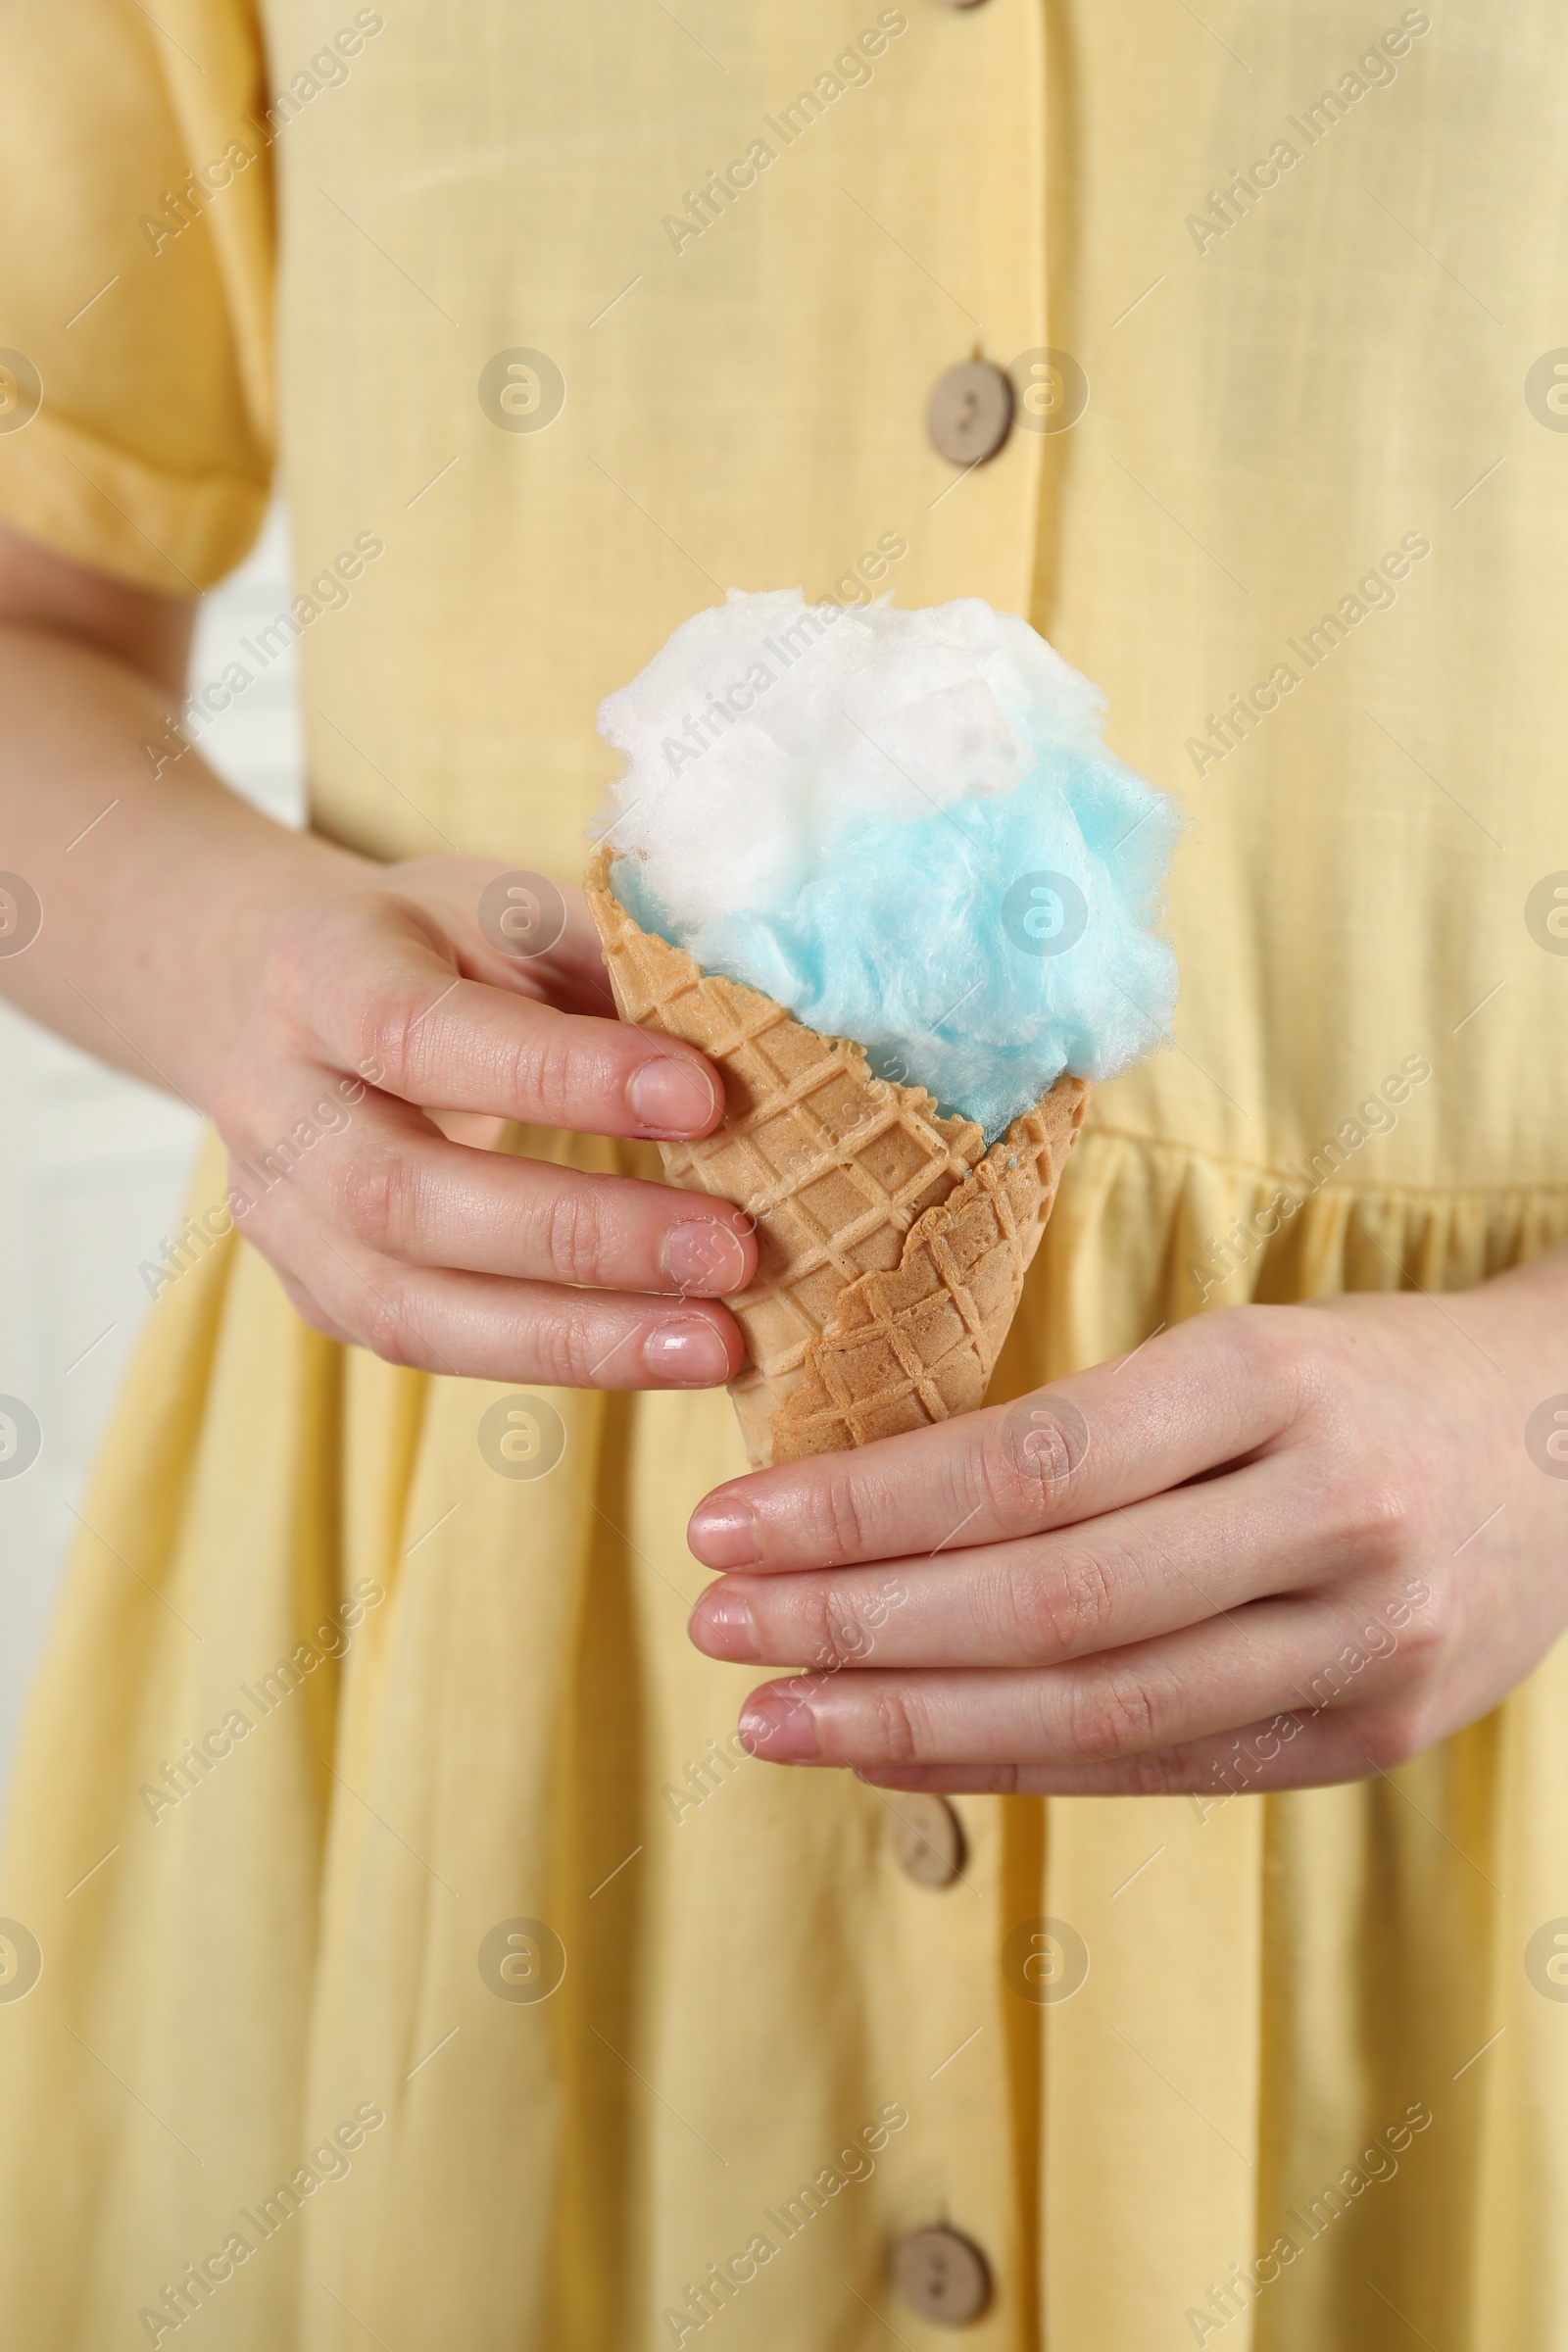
<point x="1125" y="1577"/>
<point x="1212" y="1391"/>
<point x="1297" y="1750"/>
<point x="372" y="984"/>
<point x="393" y="1181"/>
<point x="486" y="1329"/>
<point x="1189" y="1686"/>
<point x="558" y="956"/>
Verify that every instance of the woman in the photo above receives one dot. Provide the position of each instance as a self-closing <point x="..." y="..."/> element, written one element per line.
<point x="452" y="1972"/>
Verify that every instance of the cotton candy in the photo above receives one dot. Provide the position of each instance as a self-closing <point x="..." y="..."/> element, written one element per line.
<point x="907" y="828"/>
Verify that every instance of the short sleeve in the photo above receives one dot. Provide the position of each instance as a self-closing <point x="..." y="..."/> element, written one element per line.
<point x="136" y="412"/>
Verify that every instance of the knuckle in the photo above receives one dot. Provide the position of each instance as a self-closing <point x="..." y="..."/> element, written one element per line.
<point x="1109" y="1714"/>
<point x="898" y="1731"/>
<point x="839" y="1528"/>
<point x="1397" y="1736"/>
<point x="568" y="1349"/>
<point x="1062" y="1607"/>
<point x="1371" y="1526"/>
<point x="1387" y="1515"/>
<point x="1273" y="1352"/>
<point x="1017" y="1474"/>
<point x="378" y="1198"/>
<point x="396" y="1032"/>
<point x="1265" y="1340"/>
<point x="1426" y="1636"/>
<point x="1371" y="1520"/>
<point x="832" y="1631"/>
<point x="574" y="1236"/>
<point x="543" y="1076"/>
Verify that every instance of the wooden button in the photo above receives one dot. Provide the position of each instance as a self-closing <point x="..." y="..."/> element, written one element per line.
<point x="941" y="2276"/>
<point x="970" y="414"/>
<point x="927" y="1836"/>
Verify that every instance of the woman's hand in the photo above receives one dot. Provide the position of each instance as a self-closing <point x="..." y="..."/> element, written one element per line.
<point x="346" y="1023"/>
<point x="1274" y="1548"/>
<point x="396" y="999"/>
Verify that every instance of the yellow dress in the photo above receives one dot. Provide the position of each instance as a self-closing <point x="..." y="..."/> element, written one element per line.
<point x="1308" y="262"/>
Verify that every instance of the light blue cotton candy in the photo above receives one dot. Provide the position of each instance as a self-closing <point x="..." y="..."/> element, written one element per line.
<point x="934" y="934"/>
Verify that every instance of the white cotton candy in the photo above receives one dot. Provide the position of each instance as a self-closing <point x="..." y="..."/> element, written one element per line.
<point x="907" y="827"/>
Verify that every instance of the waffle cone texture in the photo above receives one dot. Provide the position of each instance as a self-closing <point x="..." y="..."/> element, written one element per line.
<point x="892" y="1246"/>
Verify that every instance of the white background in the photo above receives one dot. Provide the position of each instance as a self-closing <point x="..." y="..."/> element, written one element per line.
<point x="93" y="1167"/>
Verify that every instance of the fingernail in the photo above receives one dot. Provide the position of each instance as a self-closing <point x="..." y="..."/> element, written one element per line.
<point x="686" y="1355"/>
<point x="780" y="1729"/>
<point x="670" y="1097"/>
<point x="723" y="1627"/>
<point x="703" y="1256"/>
<point x="725" y="1535"/>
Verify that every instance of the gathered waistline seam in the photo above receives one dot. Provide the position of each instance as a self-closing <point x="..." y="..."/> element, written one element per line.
<point x="1171" y="1148"/>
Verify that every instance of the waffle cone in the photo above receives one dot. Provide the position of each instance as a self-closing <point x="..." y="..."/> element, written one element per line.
<point x="892" y="1245"/>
